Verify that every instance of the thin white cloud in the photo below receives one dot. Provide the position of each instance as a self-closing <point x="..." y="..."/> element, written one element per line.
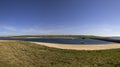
<point x="36" y="31"/>
<point x="105" y="30"/>
<point x="9" y="28"/>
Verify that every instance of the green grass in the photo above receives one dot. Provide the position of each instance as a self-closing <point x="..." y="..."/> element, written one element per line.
<point x="25" y="54"/>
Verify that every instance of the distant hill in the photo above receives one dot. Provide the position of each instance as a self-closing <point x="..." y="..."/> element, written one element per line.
<point x="58" y="36"/>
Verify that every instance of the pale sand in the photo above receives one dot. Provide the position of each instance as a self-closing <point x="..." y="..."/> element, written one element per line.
<point x="81" y="46"/>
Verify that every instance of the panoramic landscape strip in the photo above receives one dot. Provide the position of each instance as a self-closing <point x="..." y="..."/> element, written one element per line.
<point x="59" y="33"/>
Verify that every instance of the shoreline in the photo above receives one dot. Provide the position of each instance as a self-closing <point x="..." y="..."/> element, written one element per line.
<point x="81" y="46"/>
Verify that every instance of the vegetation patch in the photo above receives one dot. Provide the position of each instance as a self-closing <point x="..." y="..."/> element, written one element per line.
<point x="25" y="54"/>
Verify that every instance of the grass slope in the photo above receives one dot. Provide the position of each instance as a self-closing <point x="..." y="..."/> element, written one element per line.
<point x="25" y="54"/>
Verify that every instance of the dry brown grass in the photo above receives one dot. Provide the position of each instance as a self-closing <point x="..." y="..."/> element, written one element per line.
<point x="25" y="54"/>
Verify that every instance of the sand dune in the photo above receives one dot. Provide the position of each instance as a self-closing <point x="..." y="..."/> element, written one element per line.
<point x="81" y="46"/>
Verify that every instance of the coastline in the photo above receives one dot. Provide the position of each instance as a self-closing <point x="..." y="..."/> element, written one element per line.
<point x="81" y="46"/>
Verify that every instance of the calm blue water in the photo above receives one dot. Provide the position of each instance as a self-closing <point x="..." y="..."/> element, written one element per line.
<point x="61" y="40"/>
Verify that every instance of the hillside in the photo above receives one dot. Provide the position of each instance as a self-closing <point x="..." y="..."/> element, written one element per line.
<point x="25" y="54"/>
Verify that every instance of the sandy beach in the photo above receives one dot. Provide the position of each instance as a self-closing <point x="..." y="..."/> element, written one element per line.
<point x="81" y="46"/>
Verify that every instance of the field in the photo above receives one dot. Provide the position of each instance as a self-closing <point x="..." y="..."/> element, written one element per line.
<point x="25" y="54"/>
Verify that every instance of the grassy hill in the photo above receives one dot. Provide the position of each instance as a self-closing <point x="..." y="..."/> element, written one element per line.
<point x="25" y="54"/>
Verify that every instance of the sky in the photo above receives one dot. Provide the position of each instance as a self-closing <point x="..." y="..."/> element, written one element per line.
<point x="60" y="17"/>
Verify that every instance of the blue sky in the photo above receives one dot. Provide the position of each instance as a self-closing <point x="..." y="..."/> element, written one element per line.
<point x="60" y="17"/>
